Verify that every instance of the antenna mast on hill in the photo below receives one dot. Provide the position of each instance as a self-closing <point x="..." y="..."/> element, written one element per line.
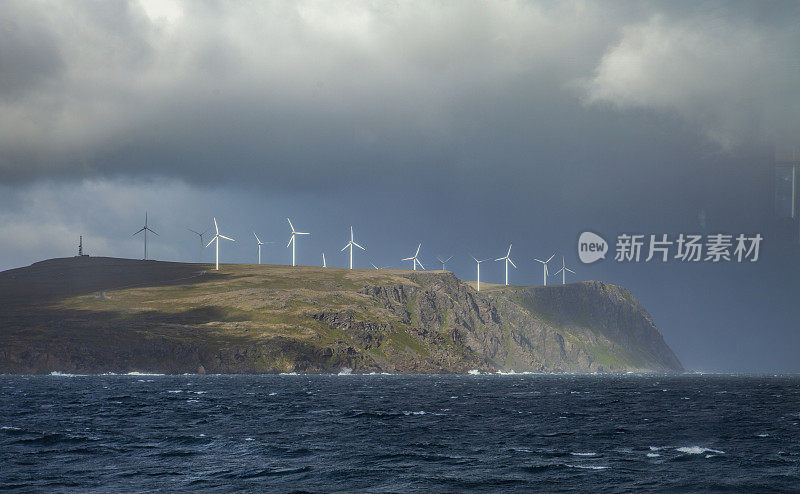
<point x="80" y="246"/>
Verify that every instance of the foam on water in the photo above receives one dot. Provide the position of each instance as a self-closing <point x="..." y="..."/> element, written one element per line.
<point x="588" y="467"/>
<point x="698" y="450"/>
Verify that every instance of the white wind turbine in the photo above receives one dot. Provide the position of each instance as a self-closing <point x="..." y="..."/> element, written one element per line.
<point x="200" y="258"/>
<point x="350" y="244"/>
<point x="507" y="259"/>
<point x="292" y="240"/>
<point x="216" y="238"/>
<point x="260" y="243"/>
<point x="443" y="261"/>
<point x="563" y="271"/>
<point x="324" y="264"/>
<point x="415" y="259"/>
<point x="544" y="266"/>
<point x="479" y="270"/>
<point x="145" y="229"/>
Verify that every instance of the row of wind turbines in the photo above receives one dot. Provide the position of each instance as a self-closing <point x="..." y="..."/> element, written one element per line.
<point x="350" y="245"/>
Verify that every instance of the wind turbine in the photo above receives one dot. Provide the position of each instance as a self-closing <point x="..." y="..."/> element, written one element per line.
<point x="200" y="258"/>
<point x="479" y="270"/>
<point x="216" y="238"/>
<point x="350" y="244"/>
<point x="374" y="266"/>
<point x="414" y="259"/>
<point x="324" y="264"/>
<point x="544" y="266"/>
<point x="507" y="259"/>
<point x="443" y="261"/>
<point x="563" y="271"/>
<point x="260" y="243"/>
<point x="292" y="240"/>
<point x="145" y="229"/>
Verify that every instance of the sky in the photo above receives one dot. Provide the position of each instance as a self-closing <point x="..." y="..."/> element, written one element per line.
<point x="463" y="125"/>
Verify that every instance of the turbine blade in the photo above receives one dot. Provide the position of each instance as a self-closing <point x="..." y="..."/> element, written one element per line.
<point x="509" y="250"/>
<point x="302" y="233"/>
<point x="290" y="224"/>
<point x="227" y="238"/>
<point x="257" y="239"/>
<point x="212" y="241"/>
<point x="418" y="248"/>
<point x="512" y="263"/>
<point x="196" y="233"/>
<point x="473" y="258"/>
<point x="571" y="271"/>
<point x="362" y="248"/>
<point x="550" y="258"/>
<point x="407" y="259"/>
<point x="290" y="241"/>
<point x="501" y="259"/>
<point x="539" y="260"/>
<point x="562" y="269"/>
<point x="346" y="246"/>
<point x="153" y="232"/>
<point x="420" y="264"/>
<point x="215" y="226"/>
<point x="140" y="231"/>
<point x="448" y="258"/>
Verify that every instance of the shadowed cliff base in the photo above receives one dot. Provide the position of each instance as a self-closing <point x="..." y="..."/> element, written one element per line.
<point x="94" y="315"/>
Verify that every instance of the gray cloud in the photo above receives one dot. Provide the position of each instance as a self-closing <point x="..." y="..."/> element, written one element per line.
<point x="280" y="91"/>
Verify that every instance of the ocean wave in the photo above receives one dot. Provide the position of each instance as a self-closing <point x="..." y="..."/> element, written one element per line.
<point x="588" y="467"/>
<point x="698" y="450"/>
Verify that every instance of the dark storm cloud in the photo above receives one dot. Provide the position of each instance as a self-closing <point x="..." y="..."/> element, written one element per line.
<point x="318" y="93"/>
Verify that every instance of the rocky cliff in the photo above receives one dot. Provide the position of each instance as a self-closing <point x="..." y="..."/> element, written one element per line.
<point x="112" y="315"/>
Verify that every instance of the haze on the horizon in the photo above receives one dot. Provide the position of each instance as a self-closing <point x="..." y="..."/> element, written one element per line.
<point x="461" y="125"/>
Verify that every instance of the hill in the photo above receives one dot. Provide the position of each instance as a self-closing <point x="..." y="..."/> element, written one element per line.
<point x="94" y="315"/>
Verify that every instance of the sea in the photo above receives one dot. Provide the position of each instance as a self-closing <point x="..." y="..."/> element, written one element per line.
<point x="399" y="433"/>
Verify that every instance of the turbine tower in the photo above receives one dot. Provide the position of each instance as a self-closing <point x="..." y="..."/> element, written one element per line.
<point x="414" y="259"/>
<point x="216" y="238"/>
<point x="563" y="271"/>
<point x="292" y="240"/>
<point x="324" y="264"/>
<point x="260" y="243"/>
<point x="479" y="270"/>
<point x="443" y="261"/>
<point x="544" y="266"/>
<point x="200" y="258"/>
<point x="145" y="229"/>
<point x="350" y="244"/>
<point x="507" y="260"/>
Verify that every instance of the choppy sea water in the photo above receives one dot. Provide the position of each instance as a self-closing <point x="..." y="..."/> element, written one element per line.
<point x="383" y="433"/>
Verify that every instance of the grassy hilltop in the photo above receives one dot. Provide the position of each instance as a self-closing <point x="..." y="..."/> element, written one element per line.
<point x="180" y="317"/>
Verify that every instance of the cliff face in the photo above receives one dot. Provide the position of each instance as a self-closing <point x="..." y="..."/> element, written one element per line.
<point x="252" y="319"/>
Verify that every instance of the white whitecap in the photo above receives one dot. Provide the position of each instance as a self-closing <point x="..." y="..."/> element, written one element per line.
<point x="591" y="453"/>
<point x="588" y="467"/>
<point x="698" y="450"/>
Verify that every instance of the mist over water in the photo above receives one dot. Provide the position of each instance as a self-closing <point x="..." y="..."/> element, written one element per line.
<point x="396" y="433"/>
